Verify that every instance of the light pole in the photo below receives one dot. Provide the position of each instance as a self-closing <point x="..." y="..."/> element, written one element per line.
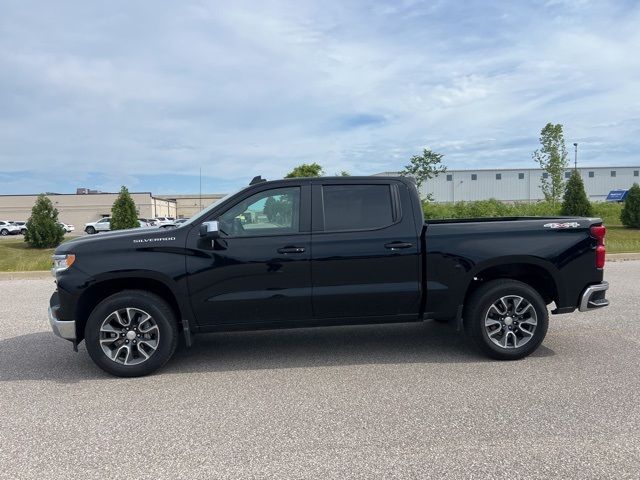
<point x="575" y="158"/>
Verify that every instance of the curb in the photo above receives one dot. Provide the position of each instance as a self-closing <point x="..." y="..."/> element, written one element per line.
<point x="622" y="257"/>
<point x="44" y="274"/>
<point x="33" y="275"/>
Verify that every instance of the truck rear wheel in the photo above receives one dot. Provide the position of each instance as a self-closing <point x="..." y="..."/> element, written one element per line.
<point x="131" y="333"/>
<point x="507" y="319"/>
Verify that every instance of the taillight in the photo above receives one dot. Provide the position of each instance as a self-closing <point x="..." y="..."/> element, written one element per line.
<point x="598" y="232"/>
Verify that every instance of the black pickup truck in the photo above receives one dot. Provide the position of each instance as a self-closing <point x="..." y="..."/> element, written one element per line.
<point x="322" y="251"/>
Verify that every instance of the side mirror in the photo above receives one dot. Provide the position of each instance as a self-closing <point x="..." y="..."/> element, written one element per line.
<point x="210" y="229"/>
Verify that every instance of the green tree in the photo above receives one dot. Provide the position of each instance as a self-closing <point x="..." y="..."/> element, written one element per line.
<point x="424" y="167"/>
<point x="270" y="208"/>
<point x="123" y="212"/>
<point x="575" y="200"/>
<point x="630" y="215"/>
<point x="306" y="170"/>
<point x="552" y="158"/>
<point x="43" y="230"/>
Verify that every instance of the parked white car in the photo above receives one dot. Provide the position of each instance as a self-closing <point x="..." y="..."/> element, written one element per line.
<point x="147" y="222"/>
<point x="67" y="227"/>
<point x="8" y="228"/>
<point x="102" y="225"/>
<point x="175" y="223"/>
<point x="22" y="225"/>
<point x="164" y="221"/>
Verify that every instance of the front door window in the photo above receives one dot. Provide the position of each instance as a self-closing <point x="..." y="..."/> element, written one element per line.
<point x="272" y="212"/>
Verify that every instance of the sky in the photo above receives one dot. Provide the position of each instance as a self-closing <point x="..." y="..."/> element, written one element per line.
<point x="145" y="94"/>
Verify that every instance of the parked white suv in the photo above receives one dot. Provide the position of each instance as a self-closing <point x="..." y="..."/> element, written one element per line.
<point x="8" y="228"/>
<point x="21" y="225"/>
<point x="67" y="227"/>
<point x="102" y="225"/>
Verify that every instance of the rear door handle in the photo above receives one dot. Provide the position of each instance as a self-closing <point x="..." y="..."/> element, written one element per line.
<point x="398" y="245"/>
<point x="291" y="249"/>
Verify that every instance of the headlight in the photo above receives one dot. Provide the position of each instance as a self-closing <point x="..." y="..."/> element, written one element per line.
<point x="62" y="262"/>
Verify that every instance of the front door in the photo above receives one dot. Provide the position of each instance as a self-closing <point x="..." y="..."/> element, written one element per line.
<point x="259" y="269"/>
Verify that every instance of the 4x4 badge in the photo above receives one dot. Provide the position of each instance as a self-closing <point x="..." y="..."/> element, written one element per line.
<point x="562" y="225"/>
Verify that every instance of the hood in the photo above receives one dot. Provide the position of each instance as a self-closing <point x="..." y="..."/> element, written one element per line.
<point x="103" y="240"/>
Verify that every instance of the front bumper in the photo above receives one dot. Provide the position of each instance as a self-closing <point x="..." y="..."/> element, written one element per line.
<point x="63" y="328"/>
<point x="593" y="297"/>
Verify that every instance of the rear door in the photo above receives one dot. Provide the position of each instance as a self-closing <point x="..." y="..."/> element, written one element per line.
<point x="365" y="252"/>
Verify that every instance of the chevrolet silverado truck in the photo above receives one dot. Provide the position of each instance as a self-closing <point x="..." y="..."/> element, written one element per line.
<point x="322" y="251"/>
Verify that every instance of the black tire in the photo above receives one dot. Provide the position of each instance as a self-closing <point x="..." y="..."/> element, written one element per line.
<point x="90" y="230"/>
<point x="481" y="301"/>
<point x="162" y="315"/>
<point x="23" y="231"/>
<point x="4" y="232"/>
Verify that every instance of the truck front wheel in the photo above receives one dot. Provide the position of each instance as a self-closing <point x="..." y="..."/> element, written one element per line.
<point x="131" y="333"/>
<point x="507" y="319"/>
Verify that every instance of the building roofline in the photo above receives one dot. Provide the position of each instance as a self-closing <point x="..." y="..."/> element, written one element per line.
<point x="449" y="170"/>
<point x="67" y="194"/>
<point x="151" y="195"/>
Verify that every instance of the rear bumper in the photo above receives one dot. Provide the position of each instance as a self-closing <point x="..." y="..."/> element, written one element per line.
<point x="593" y="297"/>
<point x="63" y="328"/>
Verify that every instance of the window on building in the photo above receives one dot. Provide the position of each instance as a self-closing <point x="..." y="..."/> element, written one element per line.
<point x="613" y="173"/>
<point x="545" y="175"/>
<point x="521" y="176"/>
<point x="498" y="176"/>
<point x="474" y="176"/>
<point x="567" y="174"/>
<point x="592" y="174"/>
<point x="636" y="173"/>
<point x="449" y="178"/>
<point x="356" y="207"/>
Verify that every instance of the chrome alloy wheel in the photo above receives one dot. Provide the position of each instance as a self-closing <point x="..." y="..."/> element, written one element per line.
<point x="510" y="321"/>
<point x="129" y="336"/>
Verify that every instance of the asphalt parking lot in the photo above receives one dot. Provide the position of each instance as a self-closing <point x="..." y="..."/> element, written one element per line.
<point x="391" y="401"/>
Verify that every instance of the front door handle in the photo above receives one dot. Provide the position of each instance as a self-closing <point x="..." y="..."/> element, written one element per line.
<point x="291" y="249"/>
<point x="398" y="245"/>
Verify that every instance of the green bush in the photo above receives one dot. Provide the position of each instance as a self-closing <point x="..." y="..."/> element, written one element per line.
<point x="43" y="230"/>
<point x="609" y="212"/>
<point x="488" y="208"/>
<point x="575" y="201"/>
<point x="630" y="215"/>
<point x="123" y="212"/>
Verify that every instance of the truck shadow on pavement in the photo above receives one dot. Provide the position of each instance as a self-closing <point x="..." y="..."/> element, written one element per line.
<point x="41" y="356"/>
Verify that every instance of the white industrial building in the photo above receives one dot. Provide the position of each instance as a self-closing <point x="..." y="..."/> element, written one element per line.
<point x="520" y="184"/>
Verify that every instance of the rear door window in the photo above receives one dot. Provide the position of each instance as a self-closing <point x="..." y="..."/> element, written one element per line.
<point x="356" y="207"/>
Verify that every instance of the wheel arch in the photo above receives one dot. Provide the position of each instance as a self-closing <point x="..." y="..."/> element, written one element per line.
<point x="541" y="275"/>
<point x="105" y="287"/>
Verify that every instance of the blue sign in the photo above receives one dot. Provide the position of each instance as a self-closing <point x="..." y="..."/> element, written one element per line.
<point x="617" y="195"/>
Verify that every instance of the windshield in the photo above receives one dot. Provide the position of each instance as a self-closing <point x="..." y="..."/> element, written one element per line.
<point x="211" y="207"/>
